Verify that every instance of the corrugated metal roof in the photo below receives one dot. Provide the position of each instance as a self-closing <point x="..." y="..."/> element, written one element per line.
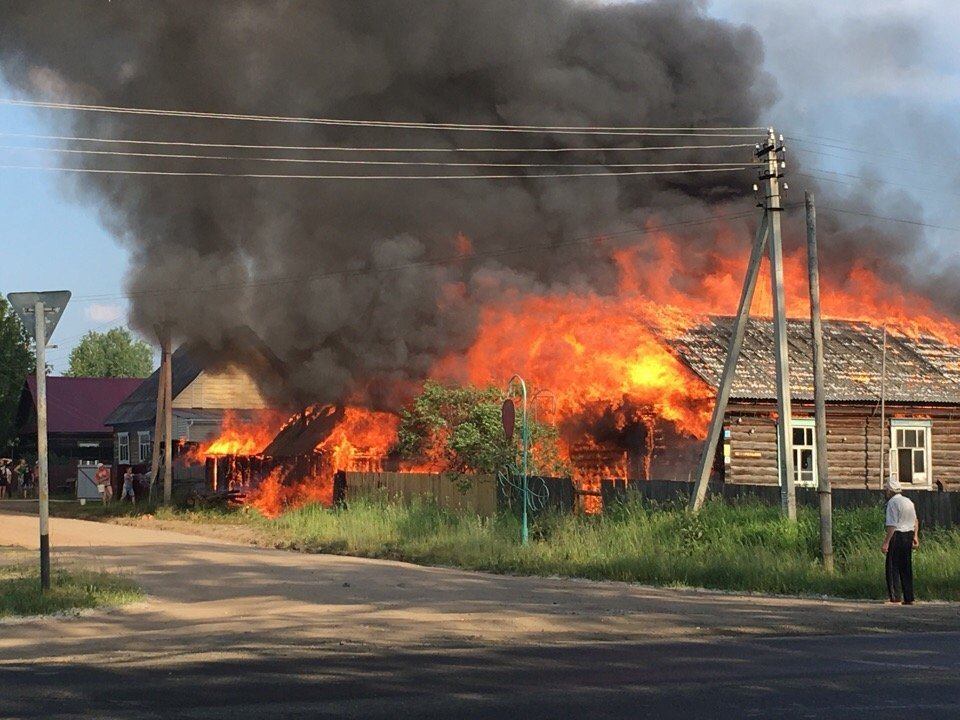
<point x="918" y="369"/>
<point x="74" y="404"/>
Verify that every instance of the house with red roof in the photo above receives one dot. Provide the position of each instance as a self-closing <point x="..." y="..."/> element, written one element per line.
<point x="76" y="410"/>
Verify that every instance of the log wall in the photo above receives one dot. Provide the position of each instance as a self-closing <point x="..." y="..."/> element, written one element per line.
<point x="854" y="442"/>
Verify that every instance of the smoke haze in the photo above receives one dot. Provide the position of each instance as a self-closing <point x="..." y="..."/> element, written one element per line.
<point x="363" y="306"/>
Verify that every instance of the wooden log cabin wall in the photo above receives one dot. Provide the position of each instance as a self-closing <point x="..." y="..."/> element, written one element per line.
<point x="853" y="445"/>
<point x="914" y="376"/>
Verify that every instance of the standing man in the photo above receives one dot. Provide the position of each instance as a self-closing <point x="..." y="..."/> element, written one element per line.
<point x="903" y="535"/>
<point x="128" y="486"/>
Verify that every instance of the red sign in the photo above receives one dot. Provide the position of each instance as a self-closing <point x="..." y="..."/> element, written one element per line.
<point x="509" y="416"/>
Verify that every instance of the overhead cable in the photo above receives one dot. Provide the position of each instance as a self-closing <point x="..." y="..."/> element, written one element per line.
<point x="355" y="148"/>
<point x="329" y="161"/>
<point x="339" y="122"/>
<point x="292" y="176"/>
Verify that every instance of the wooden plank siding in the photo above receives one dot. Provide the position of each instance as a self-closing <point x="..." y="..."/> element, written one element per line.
<point x="230" y="389"/>
<point x="854" y="442"/>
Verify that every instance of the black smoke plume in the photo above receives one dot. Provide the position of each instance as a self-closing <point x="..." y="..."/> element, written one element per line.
<point x="350" y="282"/>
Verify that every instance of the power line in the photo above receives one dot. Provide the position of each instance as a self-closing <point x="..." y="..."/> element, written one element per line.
<point x="836" y="144"/>
<point x="329" y="161"/>
<point x="916" y="171"/>
<point x="425" y="263"/>
<point x="826" y="173"/>
<point x="355" y="148"/>
<point x="889" y="219"/>
<point x="291" y="176"/>
<point x="559" y="129"/>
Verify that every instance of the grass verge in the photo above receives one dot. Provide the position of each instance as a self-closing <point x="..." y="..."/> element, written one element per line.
<point x="747" y="547"/>
<point x="20" y="592"/>
<point x="743" y="547"/>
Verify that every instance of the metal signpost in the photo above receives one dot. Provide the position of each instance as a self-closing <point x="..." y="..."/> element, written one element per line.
<point x="40" y="312"/>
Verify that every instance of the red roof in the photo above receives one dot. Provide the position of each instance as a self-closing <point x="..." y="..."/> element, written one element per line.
<point x="80" y="404"/>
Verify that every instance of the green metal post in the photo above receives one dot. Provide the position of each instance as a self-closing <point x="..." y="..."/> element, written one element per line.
<point x="525" y="533"/>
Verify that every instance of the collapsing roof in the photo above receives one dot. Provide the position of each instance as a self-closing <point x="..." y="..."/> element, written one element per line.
<point x="305" y="432"/>
<point x="918" y="369"/>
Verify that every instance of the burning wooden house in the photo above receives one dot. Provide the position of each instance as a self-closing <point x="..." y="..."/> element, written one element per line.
<point x="300" y="462"/>
<point x="210" y="401"/>
<point x="893" y="398"/>
<point x="893" y="403"/>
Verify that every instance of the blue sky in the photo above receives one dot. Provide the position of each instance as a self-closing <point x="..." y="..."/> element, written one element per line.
<point x="51" y="241"/>
<point x="882" y="77"/>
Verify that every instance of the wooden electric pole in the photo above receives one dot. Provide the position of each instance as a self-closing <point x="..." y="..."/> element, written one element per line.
<point x="167" y="372"/>
<point x="819" y="392"/>
<point x="770" y="156"/>
<point x="162" y="330"/>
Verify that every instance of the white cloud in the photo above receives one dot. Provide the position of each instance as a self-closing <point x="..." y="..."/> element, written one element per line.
<point x="101" y="313"/>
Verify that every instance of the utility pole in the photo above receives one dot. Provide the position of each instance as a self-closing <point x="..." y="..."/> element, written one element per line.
<point x="158" y="425"/>
<point x="819" y="392"/>
<point x="770" y="157"/>
<point x="774" y="162"/>
<point x="883" y="406"/>
<point x="167" y="372"/>
<point x="45" y="309"/>
<point x="726" y="380"/>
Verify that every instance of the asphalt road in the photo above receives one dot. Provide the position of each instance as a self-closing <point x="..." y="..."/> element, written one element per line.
<point x="232" y="631"/>
<point x="913" y="676"/>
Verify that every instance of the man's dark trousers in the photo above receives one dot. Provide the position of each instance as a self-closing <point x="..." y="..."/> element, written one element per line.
<point x="900" y="567"/>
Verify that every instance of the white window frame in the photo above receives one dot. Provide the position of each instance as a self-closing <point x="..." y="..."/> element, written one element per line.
<point x="144" y="456"/>
<point x="123" y="448"/>
<point x="811" y="425"/>
<point x="904" y="424"/>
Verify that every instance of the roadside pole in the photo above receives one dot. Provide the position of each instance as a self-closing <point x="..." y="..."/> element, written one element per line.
<point x="40" y="331"/>
<point x="819" y="393"/>
<point x="167" y="371"/>
<point x="45" y="309"/>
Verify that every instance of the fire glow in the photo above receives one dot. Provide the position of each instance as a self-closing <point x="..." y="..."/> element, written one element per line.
<point x="602" y="357"/>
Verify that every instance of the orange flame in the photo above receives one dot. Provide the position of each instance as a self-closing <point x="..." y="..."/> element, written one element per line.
<point x="605" y="355"/>
<point x="361" y="440"/>
<point x="240" y="435"/>
<point x="276" y="493"/>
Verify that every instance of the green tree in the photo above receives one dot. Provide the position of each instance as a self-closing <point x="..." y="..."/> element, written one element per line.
<point x="459" y="429"/>
<point x="111" y="354"/>
<point x="16" y="362"/>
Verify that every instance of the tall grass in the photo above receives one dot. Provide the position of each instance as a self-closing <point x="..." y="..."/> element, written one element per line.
<point x="747" y="546"/>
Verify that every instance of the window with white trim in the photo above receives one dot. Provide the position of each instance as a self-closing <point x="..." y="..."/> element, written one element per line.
<point x="804" y="452"/>
<point x="910" y="451"/>
<point x="123" y="447"/>
<point x="146" y="447"/>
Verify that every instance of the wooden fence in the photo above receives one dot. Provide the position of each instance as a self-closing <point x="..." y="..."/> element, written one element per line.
<point x="484" y="495"/>
<point x="547" y="494"/>
<point x="479" y="495"/>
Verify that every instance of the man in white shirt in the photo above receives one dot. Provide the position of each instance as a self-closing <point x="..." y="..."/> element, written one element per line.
<point x="903" y="535"/>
